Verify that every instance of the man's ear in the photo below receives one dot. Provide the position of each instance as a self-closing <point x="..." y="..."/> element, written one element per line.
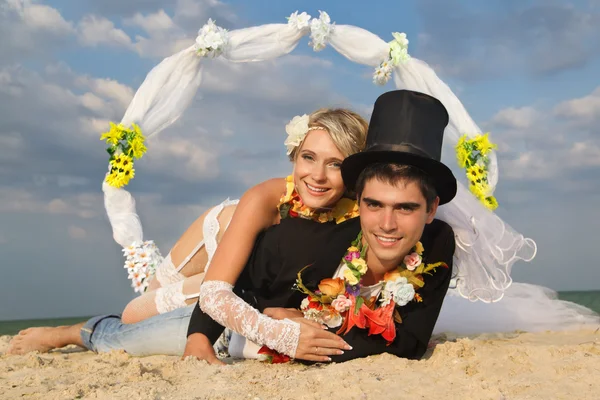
<point x="431" y="213"/>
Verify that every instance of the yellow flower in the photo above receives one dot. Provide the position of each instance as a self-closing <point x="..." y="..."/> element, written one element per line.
<point x="353" y="249"/>
<point x="478" y="189"/>
<point x="349" y="276"/>
<point x="121" y="172"/>
<point x="137" y="147"/>
<point x="475" y="173"/>
<point x="491" y="203"/>
<point x="138" y="132"/>
<point x="462" y="156"/>
<point x="419" y="248"/>
<point x="360" y="265"/>
<point x="323" y="217"/>
<point x="483" y="144"/>
<point x="289" y="190"/>
<point x="113" y="135"/>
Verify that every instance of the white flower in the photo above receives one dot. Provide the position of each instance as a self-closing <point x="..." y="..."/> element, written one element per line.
<point x="332" y="320"/>
<point x="141" y="261"/>
<point x="400" y="290"/>
<point x="399" y="55"/>
<point x="399" y="49"/>
<point x="299" y="21"/>
<point x="211" y="40"/>
<point x="320" y="30"/>
<point x="304" y="304"/>
<point x="296" y="130"/>
<point x="401" y="39"/>
<point x="382" y="75"/>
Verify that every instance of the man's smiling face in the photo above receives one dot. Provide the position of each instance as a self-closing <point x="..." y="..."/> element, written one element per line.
<point x="392" y="218"/>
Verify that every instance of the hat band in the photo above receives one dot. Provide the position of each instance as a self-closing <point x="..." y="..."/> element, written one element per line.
<point x="402" y="147"/>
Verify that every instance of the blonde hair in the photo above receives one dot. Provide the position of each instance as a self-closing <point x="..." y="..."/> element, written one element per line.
<point x="347" y="129"/>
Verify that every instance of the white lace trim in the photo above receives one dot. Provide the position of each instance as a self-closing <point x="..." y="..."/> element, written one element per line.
<point x="170" y="297"/>
<point x="211" y="229"/>
<point x="218" y="300"/>
<point x="166" y="273"/>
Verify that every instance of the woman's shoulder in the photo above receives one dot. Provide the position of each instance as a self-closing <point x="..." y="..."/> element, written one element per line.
<point x="267" y="192"/>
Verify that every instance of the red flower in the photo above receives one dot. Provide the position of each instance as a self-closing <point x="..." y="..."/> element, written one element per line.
<point x="381" y="321"/>
<point x="273" y="357"/>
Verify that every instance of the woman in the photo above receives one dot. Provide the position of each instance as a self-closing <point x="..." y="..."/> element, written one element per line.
<point x="317" y="144"/>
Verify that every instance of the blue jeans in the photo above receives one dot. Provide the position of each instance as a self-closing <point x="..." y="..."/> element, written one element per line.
<point x="164" y="334"/>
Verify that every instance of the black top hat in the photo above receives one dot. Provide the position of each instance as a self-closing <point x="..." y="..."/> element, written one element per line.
<point x="406" y="128"/>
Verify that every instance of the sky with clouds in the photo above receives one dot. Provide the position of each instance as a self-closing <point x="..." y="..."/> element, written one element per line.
<point x="526" y="70"/>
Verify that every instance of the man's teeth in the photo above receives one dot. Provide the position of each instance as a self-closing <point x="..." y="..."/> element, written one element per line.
<point x="386" y="239"/>
<point x="316" y="189"/>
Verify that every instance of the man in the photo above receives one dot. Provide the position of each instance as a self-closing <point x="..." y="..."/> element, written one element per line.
<point x="399" y="181"/>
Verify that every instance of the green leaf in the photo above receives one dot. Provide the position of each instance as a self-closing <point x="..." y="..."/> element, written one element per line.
<point x="358" y="305"/>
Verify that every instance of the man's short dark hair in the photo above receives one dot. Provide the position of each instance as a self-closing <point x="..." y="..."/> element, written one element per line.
<point x="394" y="174"/>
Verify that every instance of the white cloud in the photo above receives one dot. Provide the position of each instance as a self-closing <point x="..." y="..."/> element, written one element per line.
<point x="550" y="149"/>
<point x="516" y="118"/>
<point x="82" y="205"/>
<point x="46" y="19"/>
<point x="94" y="31"/>
<point x="586" y="108"/>
<point x="76" y="232"/>
<point x="153" y="22"/>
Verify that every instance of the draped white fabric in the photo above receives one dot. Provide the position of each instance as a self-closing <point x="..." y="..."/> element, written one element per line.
<point x="486" y="247"/>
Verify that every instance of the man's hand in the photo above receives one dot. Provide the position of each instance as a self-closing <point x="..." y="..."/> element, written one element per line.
<point x="282" y="313"/>
<point x="200" y="347"/>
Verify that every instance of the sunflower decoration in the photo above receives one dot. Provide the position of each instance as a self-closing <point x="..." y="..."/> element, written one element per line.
<point x="125" y="146"/>
<point x="472" y="155"/>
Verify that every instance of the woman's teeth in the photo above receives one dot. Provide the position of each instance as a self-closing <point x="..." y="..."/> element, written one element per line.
<point x="315" y="188"/>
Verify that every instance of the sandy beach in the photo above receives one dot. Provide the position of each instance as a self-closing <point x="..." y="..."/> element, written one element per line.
<point x="550" y="365"/>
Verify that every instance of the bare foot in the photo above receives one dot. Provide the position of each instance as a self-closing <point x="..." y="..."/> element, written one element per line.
<point x="44" y="339"/>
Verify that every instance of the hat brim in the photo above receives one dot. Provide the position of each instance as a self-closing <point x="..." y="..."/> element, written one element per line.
<point x="444" y="180"/>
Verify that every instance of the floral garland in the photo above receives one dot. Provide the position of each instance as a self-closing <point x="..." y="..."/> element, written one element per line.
<point x="320" y="30"/>
<point x="471" y="155"/>
<point x="338" y="302"/>
<point x="398" y="54"/>
<point x="125" y="145"/>
<point x="291" y="205"/>
<point x="211" y="41"/>
<point x="142" y="259"/>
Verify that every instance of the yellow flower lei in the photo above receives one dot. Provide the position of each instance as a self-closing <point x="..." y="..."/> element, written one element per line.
<point x="125" y="145"/>
<point x="291" y="205"/>
<point x="471" y="155"/>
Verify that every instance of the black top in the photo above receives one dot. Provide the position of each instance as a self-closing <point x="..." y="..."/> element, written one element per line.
<point x="283" y="250"/>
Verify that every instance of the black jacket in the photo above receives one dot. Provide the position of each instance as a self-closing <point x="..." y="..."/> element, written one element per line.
<point x="282" y="250"/>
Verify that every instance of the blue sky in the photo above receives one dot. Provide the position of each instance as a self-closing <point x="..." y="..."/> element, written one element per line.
<point x="526" y="70"/>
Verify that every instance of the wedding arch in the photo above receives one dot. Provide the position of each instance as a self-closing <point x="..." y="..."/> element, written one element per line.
<point x="486" y="247"/>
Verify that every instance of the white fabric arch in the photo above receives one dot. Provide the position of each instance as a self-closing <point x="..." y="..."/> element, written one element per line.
<point x="486" y="247"/>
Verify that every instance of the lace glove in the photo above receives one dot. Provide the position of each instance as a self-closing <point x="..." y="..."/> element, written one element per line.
<point x="221" y="304"/>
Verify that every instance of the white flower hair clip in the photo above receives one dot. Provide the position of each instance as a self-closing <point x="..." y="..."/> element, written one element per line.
<point x="297" y="129"/>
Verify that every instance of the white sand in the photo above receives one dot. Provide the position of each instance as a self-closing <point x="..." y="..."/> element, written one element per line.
<point x="552" y="365"/>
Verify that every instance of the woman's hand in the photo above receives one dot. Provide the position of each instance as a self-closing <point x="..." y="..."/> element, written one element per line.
<point x="316" y="343"/>
<point x="200" y="347"/>
<point x="282" y="313"/>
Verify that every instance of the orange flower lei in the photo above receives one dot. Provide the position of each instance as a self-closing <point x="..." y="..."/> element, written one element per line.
<point x="291" y="205"/>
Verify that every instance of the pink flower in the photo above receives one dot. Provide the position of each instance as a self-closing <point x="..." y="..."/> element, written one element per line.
<point x="412" y="261"/>
<point x="352" y="255"/>
<point x="341" y="303"/>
